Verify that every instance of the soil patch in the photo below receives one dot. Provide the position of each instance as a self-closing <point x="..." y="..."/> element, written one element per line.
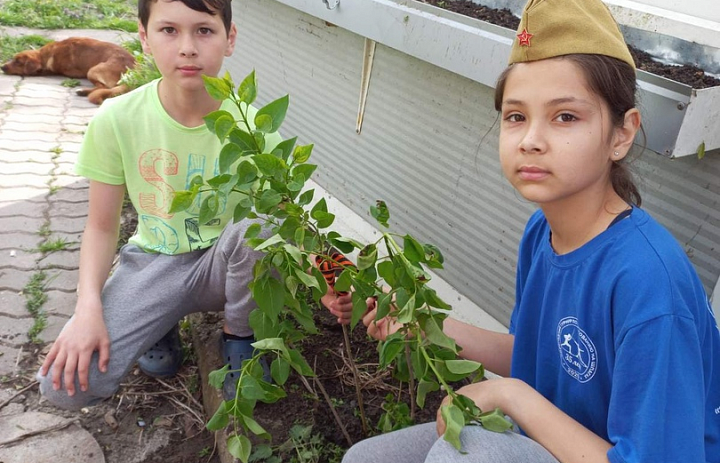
<point x="686" y="74"/>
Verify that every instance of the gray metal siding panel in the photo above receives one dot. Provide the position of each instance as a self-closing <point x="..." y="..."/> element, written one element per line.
<point x="429" y="148"/>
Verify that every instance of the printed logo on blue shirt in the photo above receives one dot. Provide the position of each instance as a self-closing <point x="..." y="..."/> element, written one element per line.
<point x="578" y="355"/>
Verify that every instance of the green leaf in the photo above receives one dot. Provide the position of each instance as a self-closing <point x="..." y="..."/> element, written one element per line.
<point x="209" y="208"/>
<point x="284" y="148"/>
<point x="320" y="206"/>
<point x="413" y="250"/>
<point x="359" y="308"/>
<point x="294" y="252"/>
<point x="253" y="231"/>
<point x="380" y="212"/>
<point x="254" y="426"/>
<point x="344" y="281"/>
<point x="263" y="123"/>
<point x="384" y="305"/>
<point x="270" y="165"/>
<point x="306" y="170"/>
<point x="220" y="419"/>
<point x="211" y="119"/>
<point x="247" y="91"/>
<point x="264" y="325"/>
<point x="280" y="370"/>
<point x="433" y="300"/>
<point x="229" y="154"/>
<point x="454" y="422"/>
<point x="269" y="294"/>
<point x="268" y="199"/>
<point x="323" y="219"/>
<point x="182" y="200"/>
<point x="275" y="111"/>
<point x="433" y="256"/>
<point x="367" y="257"/>
<point x="386" y="269"/>
<point x="273" y="240"/>
<point x="247" y="172"/>
<point x="259" y="138"/>
<point x="223" y="127"/>
<point x="425" y="387"/>
<point x="240" y="212"/>
<point x="218" y="88"/>
<point x="216" y="377"/>
<point x="495" y="421"/>
<point x="308" y="280"/>
<point x="239" y="446"/>
<point x="289" y="227"/>
<point x="250" y="388"/>
<point x="299" y="364"/>
<point x="701" y="150"/>
<point x="389" y="350"/>
<point x="434" y="333"/>
<point x="462" y="367"/>
<point x="244" y="140"/>
<point x="274" y="344"/>
<point x="345" y="245"/>
<point x="306" y="198"/>
<point x="302" y="153"/>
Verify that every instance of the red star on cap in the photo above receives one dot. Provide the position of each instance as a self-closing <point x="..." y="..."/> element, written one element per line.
<point x="524" y="38"/>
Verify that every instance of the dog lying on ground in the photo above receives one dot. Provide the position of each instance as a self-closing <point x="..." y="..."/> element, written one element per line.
<point x="102" y="63"/>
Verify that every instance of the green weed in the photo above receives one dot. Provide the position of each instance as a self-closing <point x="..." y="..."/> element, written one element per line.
<point x="9" y="46"/>
<point x="35" y="298"/>
<point x="58" y="244"/>
<point x="144" y="71"/>
<point x="71" y="14"/>
<point x="70" y="83"/>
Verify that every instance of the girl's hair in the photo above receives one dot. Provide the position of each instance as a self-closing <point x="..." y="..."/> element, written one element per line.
<point x="615" y="82"/>
<point x="213" y="7"/>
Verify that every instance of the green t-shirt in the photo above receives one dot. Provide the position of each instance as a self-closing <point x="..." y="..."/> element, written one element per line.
<point x="133" y="141"/>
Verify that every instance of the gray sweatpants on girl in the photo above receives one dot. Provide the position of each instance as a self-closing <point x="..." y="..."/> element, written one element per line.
<point x="149" y="293"/>
<point x="420" y="444"/>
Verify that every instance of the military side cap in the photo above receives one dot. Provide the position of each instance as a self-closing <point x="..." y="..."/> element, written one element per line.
<point x="551" y="28"/>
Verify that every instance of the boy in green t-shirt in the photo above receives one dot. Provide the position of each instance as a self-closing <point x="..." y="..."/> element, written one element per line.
<point x="150" y="143"/>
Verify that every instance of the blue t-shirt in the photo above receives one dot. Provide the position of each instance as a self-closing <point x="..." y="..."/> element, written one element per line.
<point x="619" y="334"/>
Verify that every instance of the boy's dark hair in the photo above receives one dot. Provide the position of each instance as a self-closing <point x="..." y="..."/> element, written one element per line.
<point x="615" y="82"/>
<point x="213" y="7"/>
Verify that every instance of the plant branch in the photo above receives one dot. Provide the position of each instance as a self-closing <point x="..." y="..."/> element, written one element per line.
<point x="356" y="380"/>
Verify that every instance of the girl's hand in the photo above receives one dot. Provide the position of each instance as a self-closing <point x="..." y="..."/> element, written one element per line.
<point x="339" y="305"/>
<point x="487" y="395"/>
<point x="382" y="328"/>
<point x="73" y="349"/>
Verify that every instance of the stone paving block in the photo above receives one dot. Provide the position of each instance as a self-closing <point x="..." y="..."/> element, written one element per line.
<point x="73" y="239"/>
<point x="76" y="120"/>
<point x="48" y="101"/>
<point x="81" y="183"/>
<point x="26" y="208"/>
<point x="12" y="303"/>
<point x="8" y="358"/>
<point x="62" y="181"/>
<point x="30" y="145"/>
<point x="13" y="331"/>
<point x="20" y="240"/>
<point x="78" y="129"/>
<point x="5" y="100"/>
<point x="28" y="126"/>
<point x="14" y="280"/>
<point x="21" y="224"/>
<point x="60" y="259"/>
<point x="45" y="110"/>
<point x="69" y="137"/>
<point x="69" y="158"/>
<point x="71" y="195"/>
<point x="61" y="280"/>
<point x="8" y="84"/>
<point x="67" y="224"/>
<point x="42" y="91"/>
<point x="60" y="303"/>
<point x="53" y="327"/>
<point x="15" y="407"/>
<point x="33" y="135"/>
<point x="24" y="180"/>
<point x="21" y="156"/>
<point x="67" y="209"/>
<point x="20" y="118"/>
<point x="25" y="167"/>
<point x="18" y="259"/>
<point x="24" y="193"/>
<point x="70" y="146"/>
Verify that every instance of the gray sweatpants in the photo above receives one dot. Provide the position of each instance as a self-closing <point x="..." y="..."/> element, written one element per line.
<point x="149" y="293"/>
<point x="420" y="444"/>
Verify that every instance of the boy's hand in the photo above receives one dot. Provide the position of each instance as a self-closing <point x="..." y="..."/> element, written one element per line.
<point x="339" y="305"/>
<point x="382" y="328"/>
<point x="73" y="349"/>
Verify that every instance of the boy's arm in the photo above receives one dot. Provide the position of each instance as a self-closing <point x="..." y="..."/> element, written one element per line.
<point x="86" y="332"/>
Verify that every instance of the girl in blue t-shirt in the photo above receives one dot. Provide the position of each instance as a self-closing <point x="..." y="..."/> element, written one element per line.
<point x="613" y="352"/>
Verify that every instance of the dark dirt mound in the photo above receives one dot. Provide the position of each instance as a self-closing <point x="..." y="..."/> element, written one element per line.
<point x="686" y="74"/>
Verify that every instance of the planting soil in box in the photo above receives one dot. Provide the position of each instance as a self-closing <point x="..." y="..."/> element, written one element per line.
<point x="686" y="74"/>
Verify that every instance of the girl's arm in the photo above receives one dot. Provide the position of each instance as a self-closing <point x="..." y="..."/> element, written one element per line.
<point x="568" y="440"/>
<point x="86" y="333"/>
<point x="492" y="349"/>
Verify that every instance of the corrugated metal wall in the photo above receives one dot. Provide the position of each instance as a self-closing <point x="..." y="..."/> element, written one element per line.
<point x="429" y="148"/>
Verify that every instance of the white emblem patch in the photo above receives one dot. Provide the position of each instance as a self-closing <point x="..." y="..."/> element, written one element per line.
<point x="578" y="355"/>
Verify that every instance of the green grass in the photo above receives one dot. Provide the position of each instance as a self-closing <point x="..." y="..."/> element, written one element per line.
<point x="35" y="298"/>
<point x="70" y="14"/>
<point x="70" y="83"/>
<point x="9" y="46"/>
<point x="58" y="244"/>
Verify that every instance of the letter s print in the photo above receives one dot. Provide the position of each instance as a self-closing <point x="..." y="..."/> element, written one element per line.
<point x="150" y="162"/>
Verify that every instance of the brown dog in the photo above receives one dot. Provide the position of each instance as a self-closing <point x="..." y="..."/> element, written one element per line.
<point x="102" y="63"/>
